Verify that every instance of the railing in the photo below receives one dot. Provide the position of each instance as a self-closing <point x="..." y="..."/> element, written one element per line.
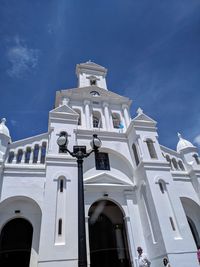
<point x="34" y="154"/>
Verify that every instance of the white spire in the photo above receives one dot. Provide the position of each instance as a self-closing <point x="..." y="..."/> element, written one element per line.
<point x="139" y="111"/>
<point x="65" y="101"/>
<point x="179" y="135"/>
<point x="3" y="128"/>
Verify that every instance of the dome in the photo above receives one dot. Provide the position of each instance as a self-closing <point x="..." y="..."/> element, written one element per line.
<point x="182" y="144"/>
<point x="3" y="128"/>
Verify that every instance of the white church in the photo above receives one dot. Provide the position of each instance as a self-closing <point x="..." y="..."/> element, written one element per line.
<point x="137" y="192"/>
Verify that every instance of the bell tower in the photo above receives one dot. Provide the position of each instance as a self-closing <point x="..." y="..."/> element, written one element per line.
<point x="91" y="74"/>
<point x="188" y="151"/>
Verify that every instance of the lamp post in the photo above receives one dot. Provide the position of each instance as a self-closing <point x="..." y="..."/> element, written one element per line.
<point x="79" y="152"/>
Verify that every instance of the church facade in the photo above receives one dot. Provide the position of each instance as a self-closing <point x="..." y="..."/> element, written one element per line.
<point x="137" y="192"/>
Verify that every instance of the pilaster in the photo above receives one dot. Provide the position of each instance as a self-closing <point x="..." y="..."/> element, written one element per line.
<point x="126" y="115"/>
<point x="87" y="114"/>
<point x="107" y="115"/>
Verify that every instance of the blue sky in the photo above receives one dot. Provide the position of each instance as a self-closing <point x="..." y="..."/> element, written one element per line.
<point x="151" y="50"/>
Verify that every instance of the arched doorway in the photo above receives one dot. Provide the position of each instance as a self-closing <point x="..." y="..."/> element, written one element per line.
<point x="194" y="231"/>
<point x="15" y="243"/>
<point x="192" y="212"/>
<point x="107" y="236"/>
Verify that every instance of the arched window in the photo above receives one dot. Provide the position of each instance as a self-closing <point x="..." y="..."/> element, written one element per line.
<point x="96" y="119"/>
<point x="35" y="153"/>
<point x="181" y="166"/>
<point x="196" y="157"/>
<point x="175" y="165"/>
<point x="137" y="161"/>
<point x="169" y="160"/>
<point x="27" y="155"/>
<point x="162" y="188"/>
<point x="95" y="122"/>
<point x="79" y="118"/>
<point x="116" y="120"/>
<point x="43" y="152"/>
<point x="60" y="227"/>
<point x="19" y="156"/>
<point x="151" y="149"/>
<point x="172" y="224"/>
<point x="11" y="156"/>
<point x="61" y="185"/>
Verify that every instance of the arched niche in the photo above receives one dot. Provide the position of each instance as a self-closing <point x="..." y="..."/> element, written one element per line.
<point x="107" y="235"/>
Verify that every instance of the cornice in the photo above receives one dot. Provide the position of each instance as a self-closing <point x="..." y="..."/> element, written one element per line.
<point x="80" y="93"/>
<point x="177" y="175"/>
<point x="29" y="140"/>
<point x="60" y="159"/>
<point x="22" y="170"/>
<point x="158" y="165"/>
<point x="86" y="134"/>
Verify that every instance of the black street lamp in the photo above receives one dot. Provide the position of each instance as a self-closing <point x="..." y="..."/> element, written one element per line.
<point x="79" y="152"/>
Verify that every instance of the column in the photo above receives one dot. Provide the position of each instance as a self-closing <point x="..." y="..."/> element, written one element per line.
<point x="50" y="147"/>
<point x="15" y="157"/>
<point x="23" y="156"/>
<point x="31" y="156"/>
<point x="107" y="115"/>
<point x="140" y="147"/>
<point x="87" y="114"/>
<point x="126" y="115"/>
<point x="120" y="242"/>
<point x="39" y="154"/>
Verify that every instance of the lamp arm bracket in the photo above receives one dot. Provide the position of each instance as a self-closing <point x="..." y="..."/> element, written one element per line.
<point x="71" y="153"/>
<point x="83" y="155"/>
<point x="89" y="153"/>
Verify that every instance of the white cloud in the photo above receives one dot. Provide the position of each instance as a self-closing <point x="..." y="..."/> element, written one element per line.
<point x="197" y="140"/>
<point x="22" y="58"/>
<point x="13" y="122"/>
<point x="50" y="29"/>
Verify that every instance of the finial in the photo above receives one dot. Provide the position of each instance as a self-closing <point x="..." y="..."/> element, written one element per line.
<point x="65" y="101"/>
<point x="179" y="135"/>
<point x="139" y="111"/>
<point x="3" y="120"/>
